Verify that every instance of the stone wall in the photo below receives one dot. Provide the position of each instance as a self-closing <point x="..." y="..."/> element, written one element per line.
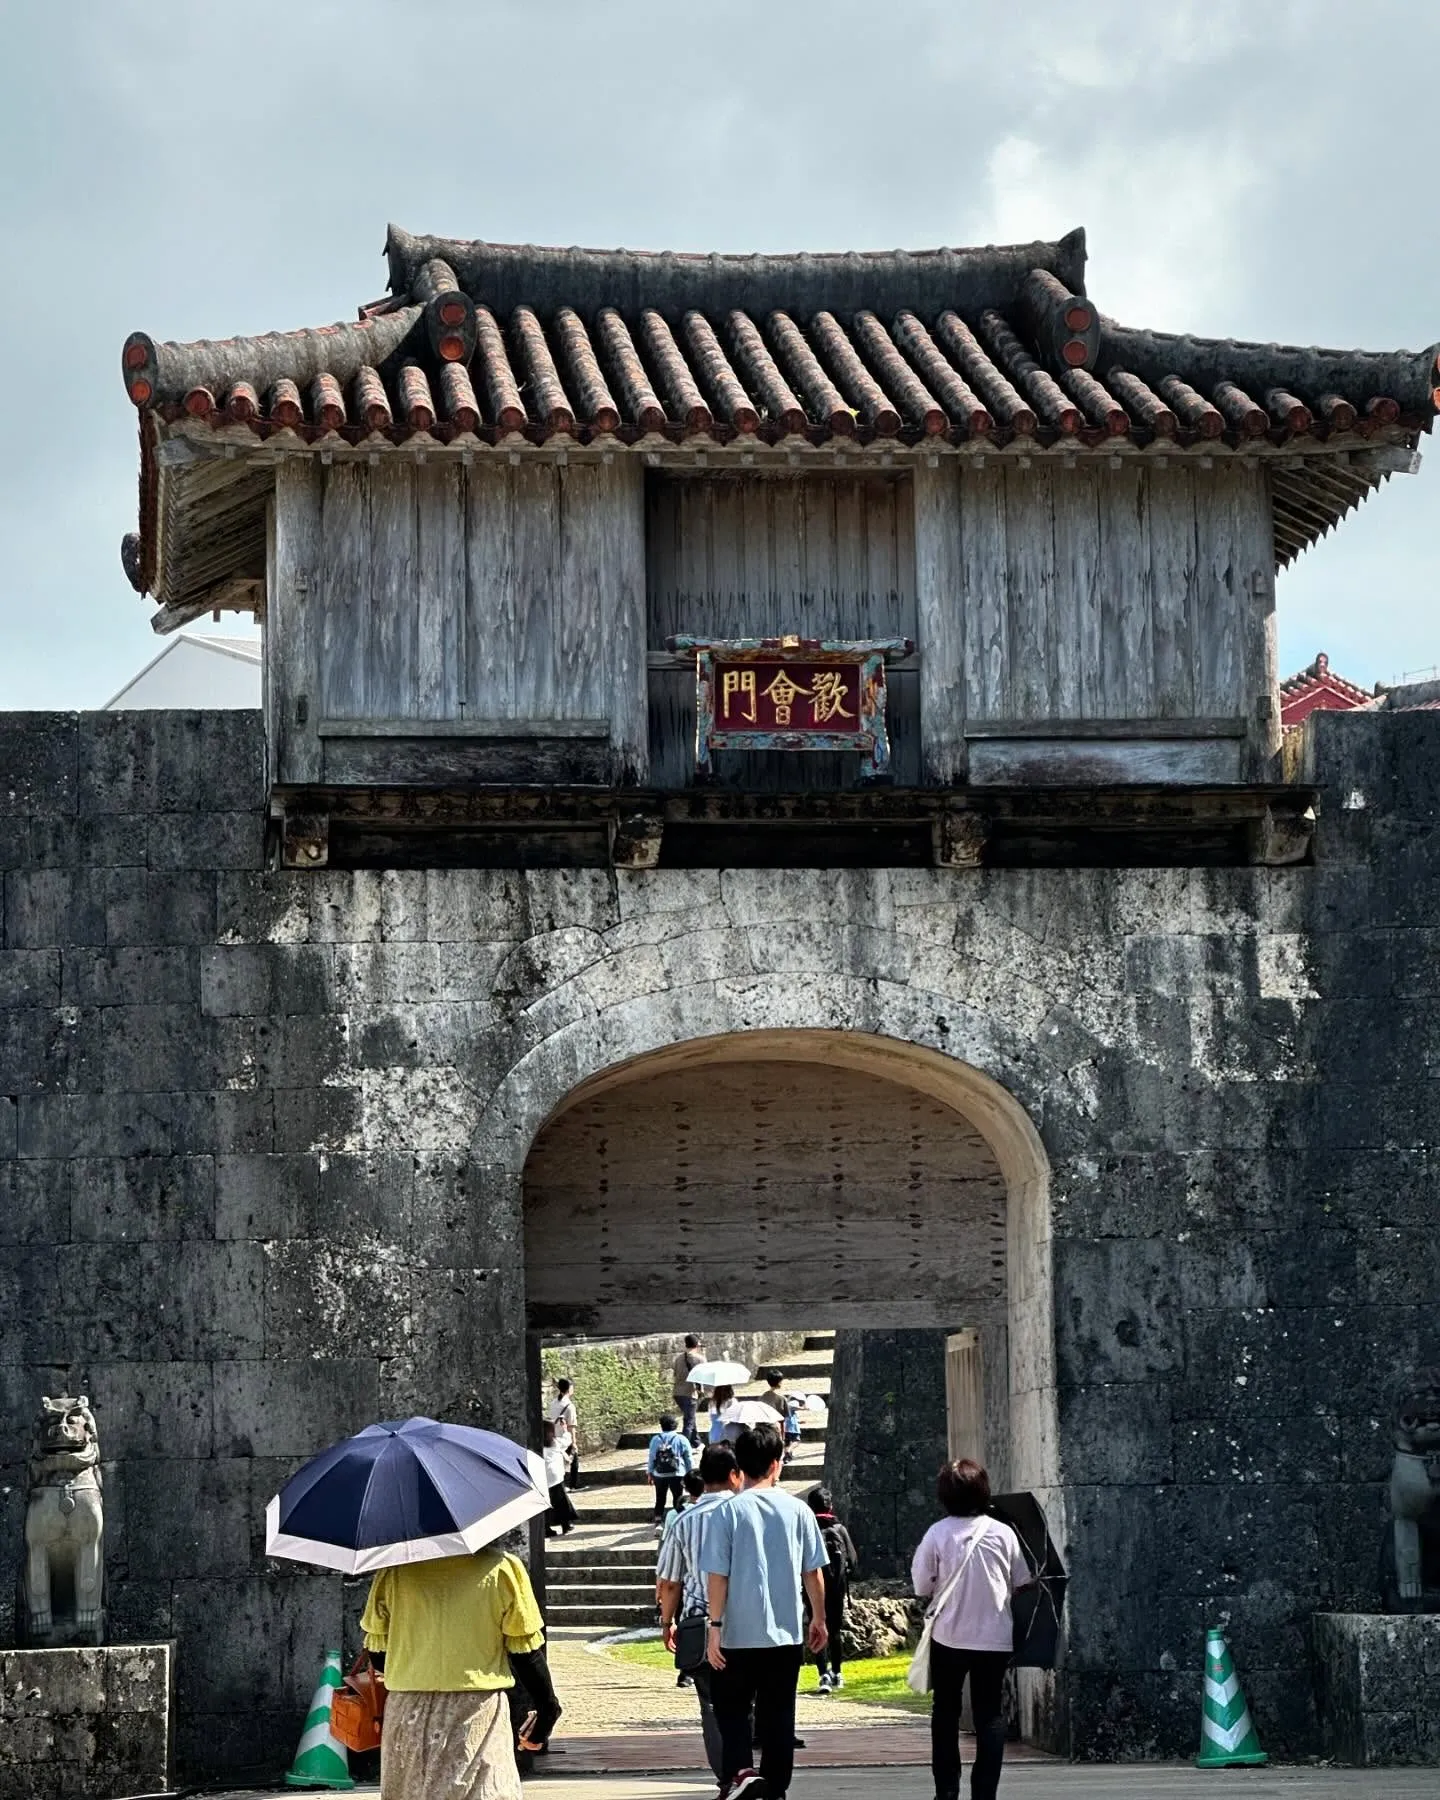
<point x="1378" y="1682"/>
<point x="262" y="1134"/>
<point x="85" y="1722"/>
<point x="886" y="1439"/>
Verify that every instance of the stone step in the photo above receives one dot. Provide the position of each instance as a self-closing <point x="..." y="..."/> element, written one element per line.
<point x="578" y="1574"/>
<point x="611" y="1618"/>
<point x="820" y="1340"/>
<point x="599" y="1593"/>
<point x="562" y="1553"/>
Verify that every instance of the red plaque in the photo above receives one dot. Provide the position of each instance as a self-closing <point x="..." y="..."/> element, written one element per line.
<point x="788" y="696"/>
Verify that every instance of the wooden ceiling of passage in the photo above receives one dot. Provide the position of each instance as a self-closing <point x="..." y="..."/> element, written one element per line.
<point x="759" y="1193"/>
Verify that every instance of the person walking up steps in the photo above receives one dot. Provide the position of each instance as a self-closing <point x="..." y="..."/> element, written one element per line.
<point x="979" y="1561"/>
<point x="566" y="1421"/>
<point x="757" y="1553"/>
<point x="562" y="1514"/>
<point x="840" y="1548"/>
<point x="681" y="1588"/>
<point x="670" y="1460"/>
<point x="683" y="1388"/>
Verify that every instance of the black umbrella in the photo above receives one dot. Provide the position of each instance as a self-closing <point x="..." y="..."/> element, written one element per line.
<point x="1036" y="1609"/>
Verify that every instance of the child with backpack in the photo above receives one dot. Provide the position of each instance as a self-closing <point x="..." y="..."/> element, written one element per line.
<point x="670" y="1460"/>
<point x="843" y="1561"/>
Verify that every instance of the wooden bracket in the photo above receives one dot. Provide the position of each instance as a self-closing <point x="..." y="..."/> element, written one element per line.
<point x="305" y="840"/>
<point x="635" y="841"/>
<point x="1281" y="839"/>
<point x="960" y="840"/>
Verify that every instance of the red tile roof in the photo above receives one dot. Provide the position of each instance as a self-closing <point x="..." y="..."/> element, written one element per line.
<point x="1319" y="689"/>
<point x="996" y="344"/>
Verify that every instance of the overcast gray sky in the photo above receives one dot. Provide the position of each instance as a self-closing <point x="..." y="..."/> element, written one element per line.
<point x="1248" y="168"/>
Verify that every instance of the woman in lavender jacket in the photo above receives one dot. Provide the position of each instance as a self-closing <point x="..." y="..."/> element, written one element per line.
<point x="974" y="1632"/>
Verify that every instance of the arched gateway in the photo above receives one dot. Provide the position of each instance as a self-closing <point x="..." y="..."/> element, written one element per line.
<point x="763" y="1178"/>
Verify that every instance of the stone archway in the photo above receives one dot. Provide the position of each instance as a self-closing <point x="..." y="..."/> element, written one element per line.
<point x="874" y="1181"/>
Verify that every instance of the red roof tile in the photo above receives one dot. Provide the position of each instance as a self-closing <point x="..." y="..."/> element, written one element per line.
<point x="1318" y="689"/>
<point x="948" y="344"/>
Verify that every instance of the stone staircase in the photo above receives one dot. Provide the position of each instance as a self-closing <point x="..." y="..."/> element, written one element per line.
<point x="601" y="1578"/>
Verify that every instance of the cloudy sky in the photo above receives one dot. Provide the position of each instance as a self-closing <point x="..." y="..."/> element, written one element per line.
<point x="197" y="170"/>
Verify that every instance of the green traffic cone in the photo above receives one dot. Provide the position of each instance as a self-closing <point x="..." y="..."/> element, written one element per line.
<point x="1227" y="1736"/>
<point x="322" y="1761"/>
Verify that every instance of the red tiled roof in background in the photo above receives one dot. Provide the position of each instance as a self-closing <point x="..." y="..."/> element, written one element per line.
<point x="1318" y="689"/>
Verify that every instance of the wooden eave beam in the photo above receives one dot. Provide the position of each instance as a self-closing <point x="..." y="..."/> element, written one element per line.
<point x="238" y="594"/>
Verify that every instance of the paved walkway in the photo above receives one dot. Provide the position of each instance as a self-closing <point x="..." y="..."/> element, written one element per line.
<point x="1129" y="1781"/>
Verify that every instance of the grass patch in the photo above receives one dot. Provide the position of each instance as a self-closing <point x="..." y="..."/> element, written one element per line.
<point x="869" y="1681"/>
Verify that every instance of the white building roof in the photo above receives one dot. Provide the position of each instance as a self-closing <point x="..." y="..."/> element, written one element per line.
<point x="195" y="670"/>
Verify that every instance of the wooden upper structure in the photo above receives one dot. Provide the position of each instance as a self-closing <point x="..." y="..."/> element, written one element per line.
<point x="476" y="519"/>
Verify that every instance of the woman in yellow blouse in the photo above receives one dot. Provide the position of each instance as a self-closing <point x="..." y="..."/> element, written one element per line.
<point x="445" y="1632"/>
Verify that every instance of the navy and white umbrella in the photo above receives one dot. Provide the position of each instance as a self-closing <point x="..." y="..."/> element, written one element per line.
<point x="405" y="1491"/>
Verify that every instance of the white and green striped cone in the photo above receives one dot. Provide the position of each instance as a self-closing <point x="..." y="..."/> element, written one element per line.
<point x="1227" y="1735"/>
<point x="322" y="1761"/>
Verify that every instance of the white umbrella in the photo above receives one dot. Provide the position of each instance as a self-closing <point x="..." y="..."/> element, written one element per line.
<point x="750" y="1412"/>
<point x="719" y="1374"/>
<point x="814" y="1403"/>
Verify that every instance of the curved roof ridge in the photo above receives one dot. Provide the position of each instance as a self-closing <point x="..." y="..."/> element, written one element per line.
<point x="504" y="276"/>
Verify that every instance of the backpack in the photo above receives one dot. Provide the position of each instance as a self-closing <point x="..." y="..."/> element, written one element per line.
<point x="665" y="1459"/>
<point x="833" y="1537"/>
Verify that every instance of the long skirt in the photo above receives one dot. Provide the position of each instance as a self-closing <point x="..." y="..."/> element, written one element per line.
<point x="448" y="1747"/>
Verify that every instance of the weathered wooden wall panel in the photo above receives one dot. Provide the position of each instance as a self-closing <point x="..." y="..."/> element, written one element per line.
<point x="495" y="593"/>
<point x="758" y="556"/>
<point x="294" y="647"/>
<point x="1139" y="592"/>
<point x="729" y="1174"/>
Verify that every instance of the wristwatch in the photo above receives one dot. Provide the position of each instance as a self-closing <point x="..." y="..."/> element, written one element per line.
<point x="715" y="1624"/>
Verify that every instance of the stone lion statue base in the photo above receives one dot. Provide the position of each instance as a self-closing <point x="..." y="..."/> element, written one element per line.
<point x="64" y="1577"/>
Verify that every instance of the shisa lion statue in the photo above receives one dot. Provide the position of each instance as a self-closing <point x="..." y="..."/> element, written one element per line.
<point x="1415" y="1496"/>
<point x="64" y="1526"/>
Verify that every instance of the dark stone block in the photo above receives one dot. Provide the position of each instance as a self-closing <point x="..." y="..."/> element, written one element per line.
<point x="1134" y="1715"/>
<point x="1221" y="1541"/>
<point x="154" y="762"/>
<point x="1119" y="1319"/>
<point x="302" y="1051"/>
<point x="60" y="907"/>
<point x="316" y="1118"/>
<point x="1415" y="963"/>
<point x="34" y="1202"/>
<point x="285" y="979"/>
<point x="49" y="1050"/>
<point x="189" y="1516"/>
<point x="109" y="842"/>
<point x="133" y="975"/>
<point x="146" y="1197"/>
<point x="1116" y="1434"/>
<point x="1353" y="965"/>
<point x="164" y="1049"/>
<point x="1253" y="1452"/>
<point x="1275" y="1364"/>
<point x="294" y="1408"/>
<point x="157" y="1409"/>
<point x="206" y="1300"/>
<point x="268" y="1196"/>
<point x="29" y="978"/>
<point x="37" y="762"/>
<point x="210" y="840"/>
<point x="9" y="1127"/>
<point x="1303" y="1268"/>
<point x="271" y="1651"/>
<point x="150" y="907"/>
<point x="257" y="1740"/>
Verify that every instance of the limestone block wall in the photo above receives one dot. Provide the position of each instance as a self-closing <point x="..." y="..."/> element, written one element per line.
<point x="85" y="1722"/>
<point x="262" y="1134"/>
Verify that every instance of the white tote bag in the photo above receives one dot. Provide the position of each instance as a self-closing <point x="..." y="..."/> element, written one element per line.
<point x="918" y="1675"/>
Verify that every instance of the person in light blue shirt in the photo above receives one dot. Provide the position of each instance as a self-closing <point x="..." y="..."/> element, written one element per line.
<point x="669" y="1462"/>
<point x="757" y="1553"/>
<point x="680" y="1581"/>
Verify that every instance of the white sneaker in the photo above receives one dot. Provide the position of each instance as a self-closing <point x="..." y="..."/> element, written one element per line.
<point x="837" y="1681"/>
<point x="827" y="1683"/>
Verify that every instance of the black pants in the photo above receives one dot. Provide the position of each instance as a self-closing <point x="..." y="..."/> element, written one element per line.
<point x="948" y="1669"/>
<point x="562" y="1508"/>
<point x="572" y="1479"/>
<point x="765" y="1681"/>
<point x="674" y="1486"/>
<point x="830" y="1657"/>
<point x="704" y="1679"/>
